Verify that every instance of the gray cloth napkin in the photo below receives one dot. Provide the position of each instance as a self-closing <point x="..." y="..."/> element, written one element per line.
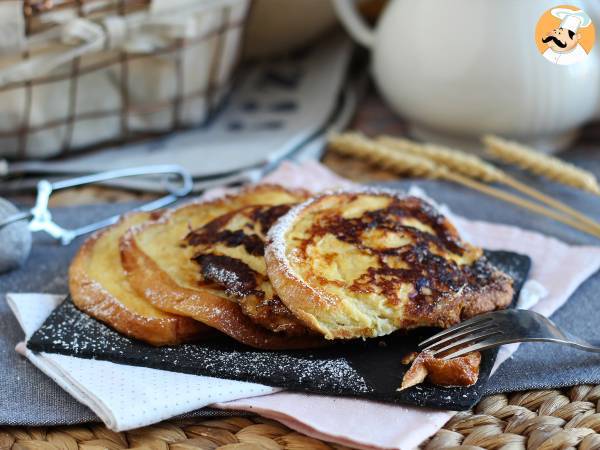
<point x="30" y="398"/>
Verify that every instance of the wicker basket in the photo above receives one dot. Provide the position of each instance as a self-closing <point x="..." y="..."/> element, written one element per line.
<point x="76" y="73"/>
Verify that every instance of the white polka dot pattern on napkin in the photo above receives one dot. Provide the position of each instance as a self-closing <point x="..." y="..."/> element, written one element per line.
<point x="111" y="389"/>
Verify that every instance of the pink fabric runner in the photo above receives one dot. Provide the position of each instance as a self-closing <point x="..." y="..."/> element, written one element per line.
<point x="371" y="425"/>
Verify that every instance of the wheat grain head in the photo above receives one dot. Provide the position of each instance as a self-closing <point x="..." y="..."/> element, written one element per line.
<point x="547" y="166"/>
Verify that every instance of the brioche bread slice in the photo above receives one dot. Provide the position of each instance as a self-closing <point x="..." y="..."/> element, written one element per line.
<point x="367" y="263"/>
<point x="99" y="287"/>
<point x="161" y="267"/>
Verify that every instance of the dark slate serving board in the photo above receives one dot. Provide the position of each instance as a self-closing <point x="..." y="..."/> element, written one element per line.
<point x="368" y="369"/>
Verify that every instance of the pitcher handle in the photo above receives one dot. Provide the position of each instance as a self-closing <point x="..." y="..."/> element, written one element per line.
<point x="354" y="22"/>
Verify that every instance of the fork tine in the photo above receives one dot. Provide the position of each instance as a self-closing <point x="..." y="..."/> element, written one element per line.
<point x="470" y="339"/>
<point x="460" y="326"/>
<point x="481" y="345"/>
<point x="463" y="333"/>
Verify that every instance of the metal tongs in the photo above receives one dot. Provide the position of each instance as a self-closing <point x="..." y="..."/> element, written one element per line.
<point x="40" y="218"/>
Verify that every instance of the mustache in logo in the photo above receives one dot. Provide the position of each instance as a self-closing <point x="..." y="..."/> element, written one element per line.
<point x="556" y="41"/>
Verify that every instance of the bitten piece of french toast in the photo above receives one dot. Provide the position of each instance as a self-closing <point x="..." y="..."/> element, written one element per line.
<point x="461" y="371"/>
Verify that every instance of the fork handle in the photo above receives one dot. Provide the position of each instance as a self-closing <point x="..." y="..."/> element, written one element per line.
<point x="579" y="343"/>
<point x="571" y="343"/>
<point x="585" y="347"/>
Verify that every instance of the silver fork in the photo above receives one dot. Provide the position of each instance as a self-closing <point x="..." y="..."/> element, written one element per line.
<point x="498" y="328"/>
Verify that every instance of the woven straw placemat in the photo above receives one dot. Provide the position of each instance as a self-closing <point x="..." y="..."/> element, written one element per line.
<point x="548" y="420"/>
<point x="231" y="433"/>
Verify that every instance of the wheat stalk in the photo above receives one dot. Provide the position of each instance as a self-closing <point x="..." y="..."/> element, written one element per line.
<point x="464" y="163"/>
<point x="547" y="166"/>
<point x="474" y="167"/>
<point x="357" y="145"/>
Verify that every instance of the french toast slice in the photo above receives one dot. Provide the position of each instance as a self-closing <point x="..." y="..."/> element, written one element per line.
<point x="161" y="267"/>
<point x="99" y="287"/>
<point x="461" y="371"/>
<point x="367" y="263"/>
<point x="229" y="251"/>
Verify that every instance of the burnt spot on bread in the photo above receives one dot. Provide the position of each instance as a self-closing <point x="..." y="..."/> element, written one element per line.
<point x="267" y="216"/>
<point x="435" y="278"/>
<point x="210" y="235"/>
<point x="235" y="276"/>
<point x="390" y="219"/>
<point x="253" y="240"/>
<point x="246" y="227"/>
<point x="252" y="243"/>
<point x="232" y="274"/>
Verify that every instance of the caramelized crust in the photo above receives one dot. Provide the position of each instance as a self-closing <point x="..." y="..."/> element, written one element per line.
<point x="461" y="371"/>
<point x="161" y="267"/>
<point x="99" y="287"/>
<point x="229" y="251"/>
<point x="364" y="264"/>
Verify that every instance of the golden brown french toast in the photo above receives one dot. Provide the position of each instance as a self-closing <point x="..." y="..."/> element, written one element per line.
<point x="99" y="287"/>
<point x="461" y="371"/>
<point x="230" y="253"/>
<point x="367" y="263"/>
<point x="161" y="267"/>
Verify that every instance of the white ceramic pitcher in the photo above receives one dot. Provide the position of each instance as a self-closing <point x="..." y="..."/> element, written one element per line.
<point x="458" y="69"/>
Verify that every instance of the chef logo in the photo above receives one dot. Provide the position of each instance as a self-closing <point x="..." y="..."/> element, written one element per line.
<point x="565" y="35"/>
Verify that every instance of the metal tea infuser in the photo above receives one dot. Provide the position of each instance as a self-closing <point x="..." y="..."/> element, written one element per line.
<point x="16" y="227"/>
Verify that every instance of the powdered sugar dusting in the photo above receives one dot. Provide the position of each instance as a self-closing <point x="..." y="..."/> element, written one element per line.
<point x="69" y="331"/>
